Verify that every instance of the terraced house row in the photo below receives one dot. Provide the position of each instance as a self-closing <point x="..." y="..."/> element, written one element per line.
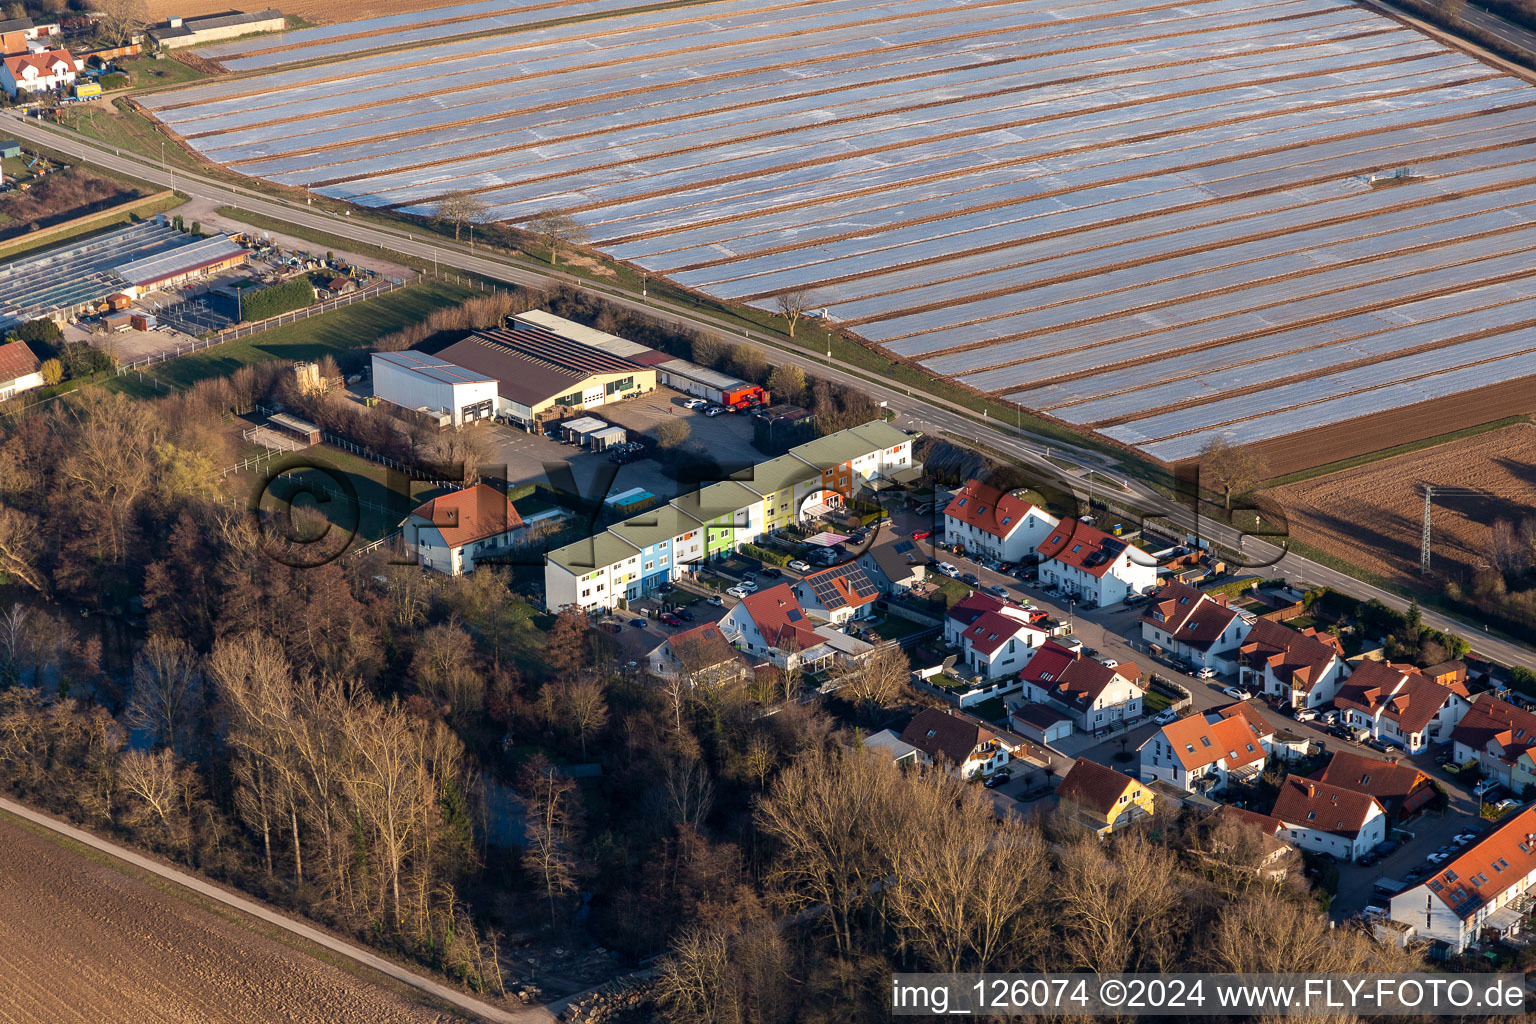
<point x="643" y="553"/>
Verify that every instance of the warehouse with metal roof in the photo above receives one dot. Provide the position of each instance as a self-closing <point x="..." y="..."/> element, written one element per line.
<point x="433" y="385"/>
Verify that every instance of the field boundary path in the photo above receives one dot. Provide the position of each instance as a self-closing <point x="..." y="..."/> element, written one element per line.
<point x="469" y="1004"/>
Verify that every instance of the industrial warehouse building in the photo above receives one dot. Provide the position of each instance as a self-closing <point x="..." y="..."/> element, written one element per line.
<point x="434" y="386"/>
<point x="75" y="278"/>
<point x="541" y="377"/>
<point x="177" y="32"/>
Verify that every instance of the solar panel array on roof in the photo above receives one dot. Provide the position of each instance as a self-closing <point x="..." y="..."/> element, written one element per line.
<point x="824" y="585"/>
<point x="558" y="351"/>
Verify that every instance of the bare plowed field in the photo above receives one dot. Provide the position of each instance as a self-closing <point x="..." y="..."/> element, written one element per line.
<point x="319" y="12"/>
<point x="81" y="941"/>
<point x="1372" y="515"/>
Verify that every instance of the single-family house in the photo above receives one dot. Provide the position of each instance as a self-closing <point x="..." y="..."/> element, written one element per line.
<point x="1203" y="752"/>
<point x="996" y="638"/>
<point x="1092" y="565"/>
<point x="1501" y="738"/>
<point x="1481" y="893"/>
<point x="772" y="625"/>
<point x="20" y="370"/>
<point x="1101" y="798"/>
<point x="989" y="521"/>
<point x="838" y="594"/>
<point x="450" y="533"/>
<point x="1192" y="624"/>
<point x="1400" y="788"/>
<point x="700" y="656"/>
<point x="1274" y="850"/>
<point x="895" y="564"/>
<point x="36" y="72"/>
<point x="1397" y="704"/>
<point x="1097" y="695"/>
<point x="1330" y="819"/>
<point x="965" y="745"/>
<point x="1303" y="668"/>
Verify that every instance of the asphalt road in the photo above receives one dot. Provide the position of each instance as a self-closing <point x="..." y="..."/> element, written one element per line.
<point x="915" y="411"/>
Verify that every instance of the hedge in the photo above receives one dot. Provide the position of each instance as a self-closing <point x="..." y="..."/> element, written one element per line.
<point x="295" y="293"/>
<point x="764" y="555"/>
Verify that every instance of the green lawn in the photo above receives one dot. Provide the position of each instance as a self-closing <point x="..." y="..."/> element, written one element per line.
<point x="148" y="73"/>
<point x="895" y="628"/>
<point x="951" y="590"/>
<point x="343" y="333"/>
<point x="1153" y="702"/>
<point x="993" y="709"/>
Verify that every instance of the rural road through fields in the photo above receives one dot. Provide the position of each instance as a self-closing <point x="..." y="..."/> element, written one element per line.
<point x="476" y="1007"/>
<point x="927" y="413"/>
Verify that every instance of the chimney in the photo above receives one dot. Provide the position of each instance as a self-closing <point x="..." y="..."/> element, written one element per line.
<point x="1311" y="789"/>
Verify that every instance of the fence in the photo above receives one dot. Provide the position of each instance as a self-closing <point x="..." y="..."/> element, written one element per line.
<point x="397" y="535"/>
<point x="246" y="330"/>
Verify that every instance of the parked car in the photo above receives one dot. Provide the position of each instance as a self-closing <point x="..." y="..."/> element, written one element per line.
<point x="922" y="534"/>
<point x="1135" y="599"/>
<point x="739" y="593"/>
<point x="685" y="614"/>
<point x="998" y="590"/>
<point x="714" y="411"/>
<point x="1090" y="652"/>
<point x="669" y="619"/>
<point x="998" y="778"/>
<point x="948" y="570"/>
<point x="1366" y="859"/>
<point x="1379" y="744"/>
<point x="695" y="403"/>
<point x="1485" y="787"/>
<point x="715" y="601"/>
<point x="773" y="572"/>
<point x="1416" y="874"/>
<point x="1505" y="804"/>
<point x="637" y="623"/>
<point x="1438" y="857"/>
<point x="970" y="579"/>
<point x="801" y="567"/>
<point x="1206" y="673"/>
<point x="1463" y="838"/>
<point x="1304" y="714"/>
<point x="1237" y="693"/>
<point x="1166" y="717"/>
<point x="1386" y="846"/>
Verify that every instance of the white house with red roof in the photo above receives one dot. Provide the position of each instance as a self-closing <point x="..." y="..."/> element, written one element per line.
<point x="1302" y="668"/>
<point x="1093" y="565"/>
<point x="1484" y="892"/>
<point x="773" y="626"/>
<point x="990" y="521"/>
<point x="1398" y="704"/>
<point x="1203" y="751"/>
<point x="19" y="370"/>
<point x="1501" y="738"/>
<point x="37" y="72"/>
<point x="1195" y="625"/>
<point x="1325" y="818"/>
<point x="1098" y="696"/>
<point x="995" y="637"/>
<point x="449" y="533"/>
<point x="964" y="744"/>
<point x="839" y="594"/>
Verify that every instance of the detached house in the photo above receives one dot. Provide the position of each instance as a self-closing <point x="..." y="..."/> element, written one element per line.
<point x="961" y="743"/>
<point x="1302" y="668"/>
<point x="1480" y="893"/>
<point x="1396" y="704"/>
<point x="1500" y="738"/>
<point x="1097" y="696"/>
<point x="772" y="625"/>
<point x="448" y="534"/>
<point x="1330" y="819"/>
<point x="701" y="656"/>
<point x="996" y="638"/>
<point x="992" y="522"/>
<point x="1204" y="751"/>
<point x="1101" y="798"/>
<point x="1195" y="625"/>
<point x="37" y="72"/>
<point x="1400" y="788"/>
<point x="1092" y="565"/>
<point x="19" y="370"/>
<point x="838" y="594"/>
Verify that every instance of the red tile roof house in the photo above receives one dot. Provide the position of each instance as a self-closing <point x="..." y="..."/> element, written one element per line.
<point x="1330" y="819"/>
<point x="1192" y="624"/>
<point x="962" y="743"/>
<point x="838" y="594"/>
<point x="1501" y="738"/>
<point x="1096" y="695"/>
<point x="1203" y="751"/>
<point x="1093" y="565"/>
<point x="19" y="370"/>
<point x="1399" y="787"/>
<point x="995" y="637"/>
<point x="1276" y="841"/>
<point x="449" y="533"/>
<point x="701" y="656"/>
<point x="1304" y="669"/>
<point x="1396" y="704"/>
<point x="37" y="72"/>
<point x="989" y="521"/>
<point x="1481" y="893"/>
<point x="772" y="625"/>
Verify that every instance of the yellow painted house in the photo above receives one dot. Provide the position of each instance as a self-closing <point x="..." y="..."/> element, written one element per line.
<point x="1101" y="798"/>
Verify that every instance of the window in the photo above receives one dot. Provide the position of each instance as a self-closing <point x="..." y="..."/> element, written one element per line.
<point x="1450" y="876"/>
<point x="1205" y="740"/>
<point x="1311" y="815"/>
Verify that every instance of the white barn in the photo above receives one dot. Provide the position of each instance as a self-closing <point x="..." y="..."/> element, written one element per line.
<point x="412" y="380"/>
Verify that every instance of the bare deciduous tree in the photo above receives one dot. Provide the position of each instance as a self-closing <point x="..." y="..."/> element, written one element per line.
<point x="1232" y="470"/>
<point x="166" y="690"/>
<point x="152" y="779"/>
<point x="461" y="208"/>
<point x="118" y="20"/>
<point x="557" y="231"/>
<point x="793" y="305"/>
<point x="20" y="551"/>
<point x="879" y="679"/>
<point x="547" y="795"/>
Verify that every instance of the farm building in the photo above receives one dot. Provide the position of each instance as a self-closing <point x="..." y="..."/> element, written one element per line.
<point x="19" y="370"/>
<point x="412" y="380"/>
<point x="178" y="32"/>
<point x="292" y="426"/>
<point x="78" y="276"/>
<point x="9" y="148"/>
<point x="1319" y="255"/>
<point x="541" y="376"/>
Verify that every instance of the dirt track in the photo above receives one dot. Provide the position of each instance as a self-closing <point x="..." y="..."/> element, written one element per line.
<point x="1372" y="515"/>
<point x="83" y="941"/>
